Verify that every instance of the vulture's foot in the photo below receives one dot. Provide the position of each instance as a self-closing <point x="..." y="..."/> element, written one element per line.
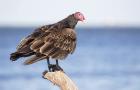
<point x="53" y="68"/>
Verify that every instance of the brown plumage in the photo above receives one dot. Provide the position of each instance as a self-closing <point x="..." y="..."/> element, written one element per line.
<point x="54" y="41"/>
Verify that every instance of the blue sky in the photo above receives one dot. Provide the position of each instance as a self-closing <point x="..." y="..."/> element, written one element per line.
<point x="97" y="12"/>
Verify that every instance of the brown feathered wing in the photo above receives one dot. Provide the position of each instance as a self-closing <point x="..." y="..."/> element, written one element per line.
<point x="53" y="43"/>
<point x="24" y="50"/>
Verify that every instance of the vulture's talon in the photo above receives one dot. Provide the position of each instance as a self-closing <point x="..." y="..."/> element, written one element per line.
<point x="53" y="68"/>
<point x="57" y="68"/>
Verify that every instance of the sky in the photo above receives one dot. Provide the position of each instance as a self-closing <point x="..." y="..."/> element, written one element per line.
<point x="96" y="12"/>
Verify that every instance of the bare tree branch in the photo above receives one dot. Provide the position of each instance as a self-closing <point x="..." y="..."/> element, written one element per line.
<point x="60" y="79"/>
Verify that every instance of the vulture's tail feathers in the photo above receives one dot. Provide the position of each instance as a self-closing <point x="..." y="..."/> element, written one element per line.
<point x="14" y="56"/>
<point x="34" y="59"/>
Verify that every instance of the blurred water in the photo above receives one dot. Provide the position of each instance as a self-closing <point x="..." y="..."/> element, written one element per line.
<point x="105" y="59"/>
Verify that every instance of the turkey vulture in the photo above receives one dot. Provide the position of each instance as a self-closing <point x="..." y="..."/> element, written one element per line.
<point x="54" y="41"/>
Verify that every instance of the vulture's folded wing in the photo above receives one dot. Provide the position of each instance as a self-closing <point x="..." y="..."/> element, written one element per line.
<point x="26" y="42"/>
<point x="55" y="42"/>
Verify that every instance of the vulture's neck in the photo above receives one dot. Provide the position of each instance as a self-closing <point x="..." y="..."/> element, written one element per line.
<point x="69" y="22"/>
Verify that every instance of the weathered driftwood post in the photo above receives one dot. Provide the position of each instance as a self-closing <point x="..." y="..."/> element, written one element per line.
<point x="60" y="79"/>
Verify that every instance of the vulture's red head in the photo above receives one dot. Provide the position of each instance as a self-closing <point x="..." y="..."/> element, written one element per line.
<point x="79" y="16"/>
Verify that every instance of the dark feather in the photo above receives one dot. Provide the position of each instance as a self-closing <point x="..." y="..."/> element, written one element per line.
<point x="33" y="59"/>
